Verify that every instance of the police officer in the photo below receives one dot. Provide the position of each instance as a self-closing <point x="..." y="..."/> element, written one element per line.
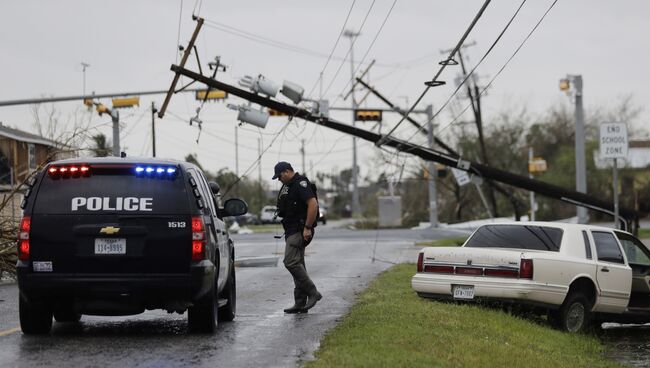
<point x="298" y="207"/>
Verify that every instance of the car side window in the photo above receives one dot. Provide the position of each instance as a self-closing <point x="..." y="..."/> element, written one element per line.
<point x="209" y="200"/>
<point x="201" y="188"/>
<point x="607" y="247"/>
<point x="585" y="237"/>
<point x="635" y="251"/>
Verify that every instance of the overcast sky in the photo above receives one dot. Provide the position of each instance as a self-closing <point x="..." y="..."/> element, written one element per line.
<point x="130" y="46"/>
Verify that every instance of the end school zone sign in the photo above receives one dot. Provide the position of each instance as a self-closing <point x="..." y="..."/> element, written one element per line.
<point x="613" y="140"/>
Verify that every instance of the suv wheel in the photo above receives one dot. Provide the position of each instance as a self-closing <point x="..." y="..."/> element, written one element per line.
<point x="34" y="319"/>
<point x="227" y="312"/>
<point x="202" y="316"/>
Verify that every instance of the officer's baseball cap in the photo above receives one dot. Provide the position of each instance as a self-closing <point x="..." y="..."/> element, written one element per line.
<point x="280" y="167"/>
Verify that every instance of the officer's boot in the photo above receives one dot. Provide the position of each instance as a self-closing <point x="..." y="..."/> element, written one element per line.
<point x="299" y="305"/>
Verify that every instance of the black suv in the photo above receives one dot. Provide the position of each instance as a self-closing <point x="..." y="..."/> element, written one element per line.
<point x="115" y="236"/>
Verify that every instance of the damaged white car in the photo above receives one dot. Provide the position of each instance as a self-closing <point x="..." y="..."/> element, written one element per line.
<point x="574" y="273"/>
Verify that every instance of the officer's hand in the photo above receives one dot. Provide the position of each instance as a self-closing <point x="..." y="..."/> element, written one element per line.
<point x="306" y="234"/>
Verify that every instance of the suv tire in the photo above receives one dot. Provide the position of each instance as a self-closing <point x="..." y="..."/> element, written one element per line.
<point x="227" y="312"/>
<point x="202" y="316"/>
<point x="34" y="319"/>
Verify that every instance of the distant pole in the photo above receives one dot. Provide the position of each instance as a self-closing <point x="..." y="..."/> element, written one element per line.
<point x="84" y="66"/>
<point x="259" y="171"/>
<point x="153" y="128"/>
<point x="302" y="152"/>
<point x="581" y="171"/>
<point x="616" y="224"/>
<point x="532" y="194"/>
<point x="356" y="207"/>
<point x="237" y="156"/>
<point x="433" y="173"/>
<point x="115" y="117"/>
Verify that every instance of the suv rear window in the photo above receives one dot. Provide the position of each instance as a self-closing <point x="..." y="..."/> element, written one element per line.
<point x="517" y="237"/>
<point x="112" y="191"/>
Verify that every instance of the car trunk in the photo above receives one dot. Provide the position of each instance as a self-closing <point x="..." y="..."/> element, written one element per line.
<point x="111" y="222"/>
<point x="474" y="257"/>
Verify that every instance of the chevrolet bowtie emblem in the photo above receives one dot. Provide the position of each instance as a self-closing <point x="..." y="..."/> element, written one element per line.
<point x="109" y="230"/>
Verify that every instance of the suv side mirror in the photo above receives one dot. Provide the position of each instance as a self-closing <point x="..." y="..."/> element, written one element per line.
<point x="234" y="207"/>
<point x="214" y="187"/>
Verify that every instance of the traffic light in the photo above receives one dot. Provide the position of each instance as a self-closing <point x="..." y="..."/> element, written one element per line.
<point x="565" y="84"/>
<point x="101" y="109"/>
<point x="275" y="113"/>
<point x="367" y="115"/>
<point x="214" y="94"/>
<point x="126" y="102"/>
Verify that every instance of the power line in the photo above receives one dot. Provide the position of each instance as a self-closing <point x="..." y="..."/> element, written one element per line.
<point x="443" y="65"/>
<point x="504" y="65"/>
<point x="363" y="23"/>
<point x="367" y="51"/>
<point x="503" y="31"/>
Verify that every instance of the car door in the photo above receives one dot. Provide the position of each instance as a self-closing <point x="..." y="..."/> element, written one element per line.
<point x="613" y="275"/>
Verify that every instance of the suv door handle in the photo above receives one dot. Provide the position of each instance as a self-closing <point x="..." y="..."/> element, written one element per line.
<point x="604" y="269"/>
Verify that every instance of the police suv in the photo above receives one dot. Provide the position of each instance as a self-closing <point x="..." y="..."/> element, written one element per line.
<point x="115" y="236"/>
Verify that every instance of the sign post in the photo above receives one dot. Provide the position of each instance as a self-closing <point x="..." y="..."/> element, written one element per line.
<point x="614" y="144"/>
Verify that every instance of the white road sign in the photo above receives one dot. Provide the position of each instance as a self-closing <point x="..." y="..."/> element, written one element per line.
<point x="461" y="177"/>
<point x="613" y="140"/>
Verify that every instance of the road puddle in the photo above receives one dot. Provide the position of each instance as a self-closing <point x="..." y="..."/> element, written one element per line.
<point x="627" y="344"/>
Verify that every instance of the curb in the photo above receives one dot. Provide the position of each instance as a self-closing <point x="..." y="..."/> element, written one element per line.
<point x="257" y="262"/>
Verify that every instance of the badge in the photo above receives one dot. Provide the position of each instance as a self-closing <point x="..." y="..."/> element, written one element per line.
<point x="303" y="184"/>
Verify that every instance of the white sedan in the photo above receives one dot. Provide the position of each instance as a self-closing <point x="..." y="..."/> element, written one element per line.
<point x="572" y="272"/>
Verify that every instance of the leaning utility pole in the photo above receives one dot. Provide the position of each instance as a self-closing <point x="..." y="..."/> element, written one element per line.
<point x="487" y="172"/>
<point x="356" y="207"/>
<point x="153" y="128"/>
<point x="302" y="152"/>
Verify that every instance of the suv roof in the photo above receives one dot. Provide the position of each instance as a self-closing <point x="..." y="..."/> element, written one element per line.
<point x="123" y="160"/>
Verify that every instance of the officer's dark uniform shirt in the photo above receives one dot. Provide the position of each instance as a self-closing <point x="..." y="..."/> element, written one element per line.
<point x="292" y="204"/>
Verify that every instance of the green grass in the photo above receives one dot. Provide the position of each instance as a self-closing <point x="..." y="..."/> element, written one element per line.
<point x="644" y="233"/>
<point x="390" y="326"/>
<point x="448" y="242"/>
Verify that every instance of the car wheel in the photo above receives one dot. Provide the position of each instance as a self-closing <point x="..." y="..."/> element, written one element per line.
<point x="66" y="313"/>
<point x="227" y="312"/>
<point x="202" y="316"/>
<point x="34" y="319"/>
<point x="575" y="313"/>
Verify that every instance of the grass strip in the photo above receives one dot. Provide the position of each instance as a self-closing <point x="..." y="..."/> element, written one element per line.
<point x="644" y="233"/>
<point x="448" y="242"/>
<point x="390" y="326"/>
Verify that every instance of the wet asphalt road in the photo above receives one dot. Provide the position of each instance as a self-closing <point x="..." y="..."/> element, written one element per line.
<point x="339" y="261"/>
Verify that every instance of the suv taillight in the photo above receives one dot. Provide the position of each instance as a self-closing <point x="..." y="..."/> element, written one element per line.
<point x="420" y="261"/>
<point x="23" y="238"/>
<point x="198" y="239"/>
<point x="526" y="269"/>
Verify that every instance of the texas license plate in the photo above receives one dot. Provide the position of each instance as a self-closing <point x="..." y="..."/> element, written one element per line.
<point x="110" y="246"/>
<point x="463" y="292"/>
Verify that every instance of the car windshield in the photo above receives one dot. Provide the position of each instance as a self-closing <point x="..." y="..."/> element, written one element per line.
<point x="517" y="237"/>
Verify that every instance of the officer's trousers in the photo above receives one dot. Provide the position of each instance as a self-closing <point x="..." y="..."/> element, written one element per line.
<point x="294" y="261"/>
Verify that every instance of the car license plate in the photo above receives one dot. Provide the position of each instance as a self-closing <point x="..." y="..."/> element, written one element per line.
<point x="463" y="292"/>
<point x="110" y="246"/>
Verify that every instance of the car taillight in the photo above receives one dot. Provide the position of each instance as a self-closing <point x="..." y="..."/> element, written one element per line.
<point x="23" y="238"/>
<point x="420" y="261"/>
<point x="439" y="269"/>
<point x="198" y="239"/>
<point x="526" y="269"/>
<point x="501" y="273"/>
<point x="68" y="171"/>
